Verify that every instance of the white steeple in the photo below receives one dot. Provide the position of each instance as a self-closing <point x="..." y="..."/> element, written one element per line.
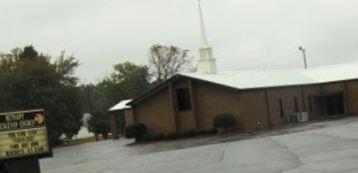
<point x="207" y="63"/>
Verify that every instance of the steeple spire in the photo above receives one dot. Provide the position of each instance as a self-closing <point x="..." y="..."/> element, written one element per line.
<point x="204" y="39"/>
<point x="207" y="63"/>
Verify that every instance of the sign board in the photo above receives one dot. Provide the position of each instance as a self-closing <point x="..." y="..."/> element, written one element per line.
<point x="23" y="134"/>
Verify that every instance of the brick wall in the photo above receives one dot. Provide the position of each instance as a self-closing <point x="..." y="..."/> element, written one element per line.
<point x="212" y="101"/>
<point x="253" y="110"/>
<point x="159" y="112"/>
<point x="352" y="88"/>
<point x="128" y="117"/>
<point x="156" y="113"/>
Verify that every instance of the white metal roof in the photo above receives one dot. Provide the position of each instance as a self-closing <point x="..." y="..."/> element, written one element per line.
<point x="120" y="106"/>
<point x="282" y="77"/>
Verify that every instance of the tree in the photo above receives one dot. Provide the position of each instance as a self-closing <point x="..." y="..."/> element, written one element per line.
<point x="127" y="81"/>
<point x="98" y="105"/>
<point x="166" y="61"/>
<point x="28" y="53"/>
<point x="31" y="81"/>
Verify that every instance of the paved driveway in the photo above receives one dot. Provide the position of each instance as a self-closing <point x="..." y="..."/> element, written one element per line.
<point x="323" y="147"/>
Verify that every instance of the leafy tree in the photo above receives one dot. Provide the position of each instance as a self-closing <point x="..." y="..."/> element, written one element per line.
<point x="30" y="81"/>
<point x="166" y="61"/>
<point x="28" y="53"/>
<point x="127" y="81"/>
<point x="98" y="106"/>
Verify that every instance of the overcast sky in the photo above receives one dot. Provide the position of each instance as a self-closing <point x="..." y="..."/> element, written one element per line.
<point x="245" y="34"/>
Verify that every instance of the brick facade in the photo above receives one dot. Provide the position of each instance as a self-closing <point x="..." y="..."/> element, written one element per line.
<point x="254" y="109"/>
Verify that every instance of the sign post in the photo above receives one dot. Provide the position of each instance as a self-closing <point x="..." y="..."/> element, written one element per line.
<point x="23" y="140"/>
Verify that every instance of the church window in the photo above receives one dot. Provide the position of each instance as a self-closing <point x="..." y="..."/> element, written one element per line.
<point x="280" y="104"/>
<point x="183" y="98"/>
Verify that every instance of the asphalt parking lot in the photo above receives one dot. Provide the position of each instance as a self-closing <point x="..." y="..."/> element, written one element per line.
<point x="321" y="147"/>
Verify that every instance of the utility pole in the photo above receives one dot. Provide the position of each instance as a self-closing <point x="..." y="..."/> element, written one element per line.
<point x="304" y="56"/>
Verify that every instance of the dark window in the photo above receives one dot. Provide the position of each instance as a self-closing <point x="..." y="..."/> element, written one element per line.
<point x="280" y="103"/>
<point x="334" y="104"/>
<point x="184" y="102"/>
<point x="310" y="103"/>
<point x="296" y="105"/>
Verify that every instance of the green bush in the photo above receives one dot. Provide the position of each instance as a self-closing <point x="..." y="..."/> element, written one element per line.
<point x="212" y="131"/>
<point x="173" y="135"/>
<point x="224" y="121"/>
<point x="202" y="132"/>
<point x="158" y="137"/>
<point x="137" y="131"/>
<point x="147" y="138"/>
<point x="187" y="133"/>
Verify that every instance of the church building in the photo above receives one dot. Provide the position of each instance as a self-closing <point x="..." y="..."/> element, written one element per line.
<point x="258" y="99"/>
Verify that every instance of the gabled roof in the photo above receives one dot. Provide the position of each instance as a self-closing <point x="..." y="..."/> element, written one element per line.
<point x="249" y="79"/>
<point x="281" y="78"/>
<point x="122" y="105"/>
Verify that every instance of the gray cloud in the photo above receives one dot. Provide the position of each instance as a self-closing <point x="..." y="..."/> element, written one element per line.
<point x="245" y="34"/>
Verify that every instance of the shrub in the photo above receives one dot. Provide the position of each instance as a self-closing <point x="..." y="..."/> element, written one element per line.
<point x="187" y="133"/>
<point x="147" y="137"/>
<point x="173" y="135"/>
<point x="203" y="132"/>
<point x="224" y="121"/>
<point x="158" y="137"/>
<point x="136" y="131"/>
<point x="212" y="131"/>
